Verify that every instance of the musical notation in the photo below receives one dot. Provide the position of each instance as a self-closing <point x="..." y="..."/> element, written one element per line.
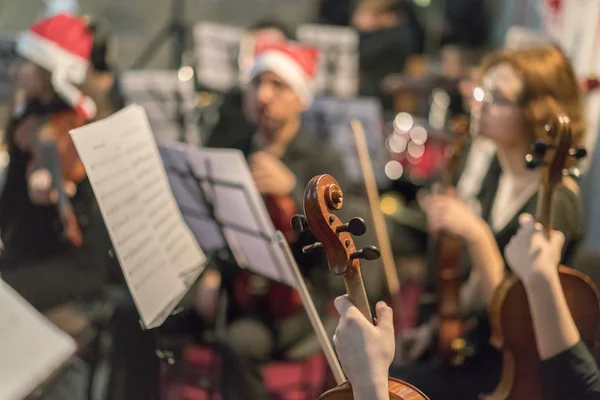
<point x="153" y="243"/>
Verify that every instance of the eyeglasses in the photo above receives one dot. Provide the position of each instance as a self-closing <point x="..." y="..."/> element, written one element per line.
<point x="492" y="97"/>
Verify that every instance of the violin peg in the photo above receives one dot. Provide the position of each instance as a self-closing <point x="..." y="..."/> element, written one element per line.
<point x="532" y="162"/>
<point x="368" y="253"/>
<point x="356" y="226"/>
<point x="312" y="247"/>
<point x="299" y="223"/>
<point x="573" y="172"/>
<point x="539" y="147"/>
<point x="578" y="152"/>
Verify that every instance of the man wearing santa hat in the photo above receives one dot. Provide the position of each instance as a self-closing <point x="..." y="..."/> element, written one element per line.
<point x="283" y="156"/>
<point x="46" y="262"/>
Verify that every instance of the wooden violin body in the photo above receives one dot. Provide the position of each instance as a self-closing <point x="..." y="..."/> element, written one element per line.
<point x="399" y="390"/>
<point x="512" y="331"/>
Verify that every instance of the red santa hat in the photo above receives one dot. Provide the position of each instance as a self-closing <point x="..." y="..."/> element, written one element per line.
<point x="292" y="62"/>
<point x="62" y="44"/>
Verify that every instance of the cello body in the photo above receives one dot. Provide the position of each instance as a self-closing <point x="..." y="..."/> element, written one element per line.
<point x="512" y="330"/>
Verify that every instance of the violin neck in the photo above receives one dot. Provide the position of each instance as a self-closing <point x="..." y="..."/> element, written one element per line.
<point x="544" y="209"/>
<point x="355" y="287"/>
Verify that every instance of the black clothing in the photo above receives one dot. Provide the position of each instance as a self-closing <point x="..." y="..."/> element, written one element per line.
<point x="36" y="260"/>
<point x="572" y="374"/>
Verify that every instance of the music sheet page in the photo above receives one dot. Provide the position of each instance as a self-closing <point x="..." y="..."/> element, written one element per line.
<point x="31" y="347"/>
<point x="154" y="246"/>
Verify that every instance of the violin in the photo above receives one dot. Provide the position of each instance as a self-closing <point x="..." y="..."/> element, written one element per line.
<point x="322" y="197"/>
<point x="510" y="317"/>
<point x="447" y="251"/>
<point x="45" y="136"/>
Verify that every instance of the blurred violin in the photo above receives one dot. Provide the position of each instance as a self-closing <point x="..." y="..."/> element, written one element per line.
<point x="322" y="197"/>
<point x="510" y="317"/>
<point x="446" y="252"/>
<point x="44" y="134"/>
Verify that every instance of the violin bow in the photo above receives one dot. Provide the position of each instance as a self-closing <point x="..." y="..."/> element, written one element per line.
<point x="315" y="320"/>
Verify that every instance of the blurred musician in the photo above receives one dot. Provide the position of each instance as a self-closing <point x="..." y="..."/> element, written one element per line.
<point x="510" y="112"/>
<point x="233" y="125"/>
<point x="50" y="256"/>
<point x="283" y="156"/>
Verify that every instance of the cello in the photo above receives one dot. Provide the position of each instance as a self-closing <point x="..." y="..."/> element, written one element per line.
<point x="510" y="317"/>
<point x="322" y="197"/>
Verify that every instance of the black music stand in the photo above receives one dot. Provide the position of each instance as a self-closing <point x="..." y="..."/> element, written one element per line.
<point x="330" y="118"/>
<point x="7" y="55"/>
<point x="209" y="199"/>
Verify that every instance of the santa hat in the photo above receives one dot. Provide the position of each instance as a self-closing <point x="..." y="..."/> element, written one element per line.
<point x="294" y="63"/>
<point x="62" y="44"/>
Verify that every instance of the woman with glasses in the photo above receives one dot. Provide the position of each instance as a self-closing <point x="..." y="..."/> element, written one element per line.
<point x="510" y="109"/>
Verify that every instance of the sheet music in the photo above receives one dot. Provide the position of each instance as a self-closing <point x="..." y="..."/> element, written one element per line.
<point x="31" y="347"/>
<point x="154" y="246"/>
<point x="168" y="100"/>
<point x="330" y="118"/>
<point x="338" y="64"/>
<point x="240" y="208"/>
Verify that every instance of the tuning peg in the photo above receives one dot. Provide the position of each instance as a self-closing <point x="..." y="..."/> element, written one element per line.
<point x="355" y="226"/>
<point x="540" y="147"/>
<point x="532" y="162"/>
<point x="578" y="152"/>
<point x="573" y="172"/>
<point x="367" y="253"/>
<point x="312" y="247"/>
<point x="299" y="223"/>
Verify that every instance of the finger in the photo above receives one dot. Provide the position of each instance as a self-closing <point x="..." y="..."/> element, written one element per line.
<point x="557" y="239"/>
<point x="525" y="219"/>
<point x="343" y="305"/>
<point x="385" y="316"/>
<point x="70" y="188"/>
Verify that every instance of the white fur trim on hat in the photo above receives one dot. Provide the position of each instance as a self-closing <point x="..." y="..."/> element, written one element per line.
<point x="67" y="69"/>
<point x="82" y="104"/>
<point x="288" y="70"/>
<point x="51" y="56"/>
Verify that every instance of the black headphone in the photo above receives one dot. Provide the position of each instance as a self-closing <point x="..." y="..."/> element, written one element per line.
<point x="102" y="57"/>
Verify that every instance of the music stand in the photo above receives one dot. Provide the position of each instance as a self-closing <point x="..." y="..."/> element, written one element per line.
<point x="330" y="118"/>
<point x="7" y="55"/>
<point x="175" y="27"/>
<point x="170" y="102"/>
<point x="338" y="65"/>
<point x="217" y="48"/>
<point x="223" y="209"/>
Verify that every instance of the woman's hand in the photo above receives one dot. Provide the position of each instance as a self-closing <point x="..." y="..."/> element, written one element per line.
<point x="207" y="294"/>
<point x="450" y="214"/>
<point x="530" y="253"/>
<point x="366" y="351"/>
